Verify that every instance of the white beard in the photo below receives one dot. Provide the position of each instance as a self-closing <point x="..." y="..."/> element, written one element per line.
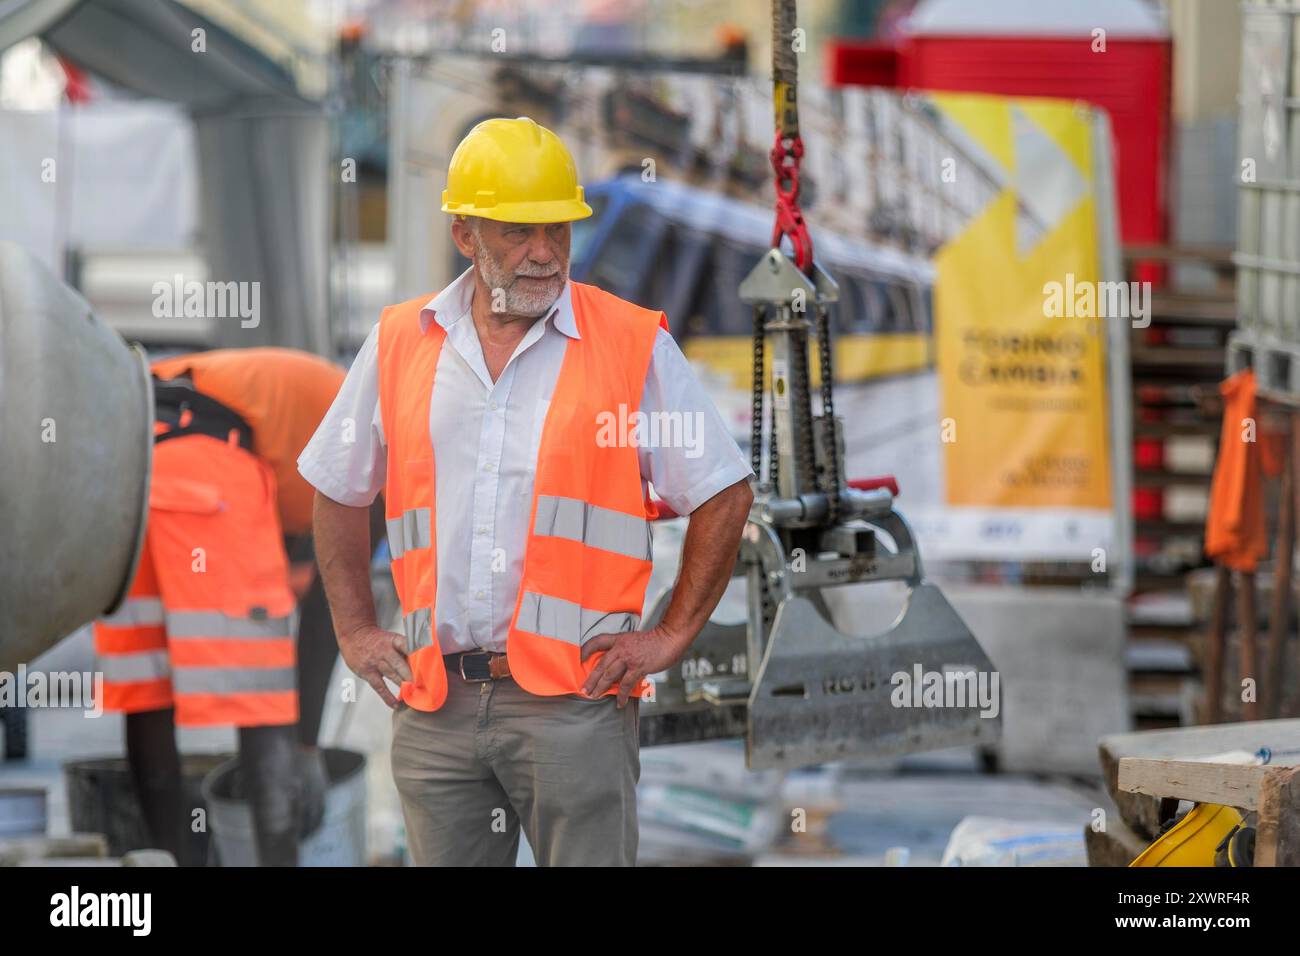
<point x="515" y="299"/>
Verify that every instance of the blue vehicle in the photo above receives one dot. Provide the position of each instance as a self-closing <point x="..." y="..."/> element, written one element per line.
<point x="685" y="250"/>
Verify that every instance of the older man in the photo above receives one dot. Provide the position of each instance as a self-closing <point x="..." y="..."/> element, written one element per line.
<point x="495" y="416"/>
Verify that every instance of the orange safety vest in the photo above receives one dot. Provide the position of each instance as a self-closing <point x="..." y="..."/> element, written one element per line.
<point x="587" y="557"/>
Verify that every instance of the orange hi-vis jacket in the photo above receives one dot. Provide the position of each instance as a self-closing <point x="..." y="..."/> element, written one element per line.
<point x="587" y="556"/>
<point x="283" y="394"/>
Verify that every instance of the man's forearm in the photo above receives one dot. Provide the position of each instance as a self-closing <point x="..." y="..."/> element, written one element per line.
<point x="708" y="558"/>
<point x="342" y="536"/>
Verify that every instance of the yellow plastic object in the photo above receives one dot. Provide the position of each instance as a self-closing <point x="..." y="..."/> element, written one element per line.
<point x="1193" y="839"/>
<point x="513" y="170"/>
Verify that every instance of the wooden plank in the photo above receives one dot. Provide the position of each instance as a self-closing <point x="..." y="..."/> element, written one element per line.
<point x="1277" y="836"/>
<point x="1169" y="479"/>
<point x="1235" y="785"/>
<point x="1193" y="308"/>
<point x="1206" y="429"/>
<point x="1280" y="736"/>
<point x="1213" y="256"/>
<point x="1146" y="356"/>
<point x="1140" y="811"/>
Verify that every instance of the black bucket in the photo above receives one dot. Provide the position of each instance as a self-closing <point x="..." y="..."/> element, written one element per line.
<point x="102" y="799"/>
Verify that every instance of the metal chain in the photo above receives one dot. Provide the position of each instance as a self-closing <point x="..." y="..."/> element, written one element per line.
<point x="832" y="479"/>
<point x="800" y="402"/>
<point x="773" y="459"/>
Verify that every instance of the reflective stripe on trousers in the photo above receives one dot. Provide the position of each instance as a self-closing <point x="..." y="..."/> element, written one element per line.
<point x="565" y="621"/>
<point x="594" y="526"/>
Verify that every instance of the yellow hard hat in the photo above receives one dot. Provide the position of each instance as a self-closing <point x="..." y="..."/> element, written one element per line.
<point x="1193" y="840"/>
<point x="513" y="170"/>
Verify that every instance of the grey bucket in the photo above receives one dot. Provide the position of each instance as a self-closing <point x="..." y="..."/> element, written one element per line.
<point x="341" y="839"/>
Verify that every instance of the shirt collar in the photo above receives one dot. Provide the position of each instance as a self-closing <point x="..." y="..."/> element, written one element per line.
<point x="453" y="303"/>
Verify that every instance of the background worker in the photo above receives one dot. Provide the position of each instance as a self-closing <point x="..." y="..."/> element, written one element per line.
<point x="205" y="636"/>
<point x="519" y="530"/>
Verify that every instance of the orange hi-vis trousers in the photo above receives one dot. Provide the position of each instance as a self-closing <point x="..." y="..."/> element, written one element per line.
<point x="208" y="623"/>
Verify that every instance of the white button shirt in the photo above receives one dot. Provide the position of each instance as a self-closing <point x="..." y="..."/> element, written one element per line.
<point x="485" y="439"/>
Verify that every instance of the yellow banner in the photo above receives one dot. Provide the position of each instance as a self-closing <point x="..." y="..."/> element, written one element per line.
<point x="1019" y="341"/>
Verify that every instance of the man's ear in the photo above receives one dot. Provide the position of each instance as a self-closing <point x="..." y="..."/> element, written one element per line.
<point x="462" y="233"/>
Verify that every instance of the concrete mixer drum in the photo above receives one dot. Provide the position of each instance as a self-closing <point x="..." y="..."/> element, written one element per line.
<point x="76" y="439"/>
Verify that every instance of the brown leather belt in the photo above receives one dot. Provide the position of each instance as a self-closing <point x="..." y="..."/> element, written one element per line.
<point x="478" y="666"/>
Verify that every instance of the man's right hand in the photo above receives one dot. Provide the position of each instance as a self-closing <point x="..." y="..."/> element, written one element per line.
<point x="373" y="653"/>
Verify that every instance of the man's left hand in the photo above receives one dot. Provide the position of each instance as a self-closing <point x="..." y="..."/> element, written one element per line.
<point x="630" y="657"/>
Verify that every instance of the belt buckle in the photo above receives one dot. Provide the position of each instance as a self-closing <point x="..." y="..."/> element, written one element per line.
<point x="482" y="656"/>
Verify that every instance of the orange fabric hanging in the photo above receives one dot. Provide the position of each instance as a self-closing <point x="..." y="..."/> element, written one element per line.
<point x="1235" y="531"/>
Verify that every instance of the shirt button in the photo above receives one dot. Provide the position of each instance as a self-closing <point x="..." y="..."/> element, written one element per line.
<point x="482" y="529"/>
<point x="493" y="406"/>
<point x="488" y="466"/>
<point x="479" y="594"/>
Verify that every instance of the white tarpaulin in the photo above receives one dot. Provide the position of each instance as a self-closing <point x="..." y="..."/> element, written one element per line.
<point x="114" y="175"/>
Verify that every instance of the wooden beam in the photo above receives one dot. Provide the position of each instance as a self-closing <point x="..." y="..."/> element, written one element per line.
<point x="1213" y="256"/>
<point x="1141" y="812"/>
<point x="1213" y="672"/>
<point x="1234" y="785"/>
<point x="1277" y="834"/>
<point x="1247" y="647"/>
<point x="1279" y="618"/>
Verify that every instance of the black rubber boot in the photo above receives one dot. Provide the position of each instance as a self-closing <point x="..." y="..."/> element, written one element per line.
<point x="156" y="770"/>
<point x="268" y="763"/>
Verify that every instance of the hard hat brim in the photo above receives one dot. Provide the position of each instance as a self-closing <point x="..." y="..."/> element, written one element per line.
<point x="546" y="211"/>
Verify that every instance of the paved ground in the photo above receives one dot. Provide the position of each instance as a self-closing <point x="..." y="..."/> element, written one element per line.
<point x="857" y="812"/>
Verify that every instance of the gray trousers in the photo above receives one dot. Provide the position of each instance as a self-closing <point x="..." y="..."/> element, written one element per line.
<point x="494" y="758"/>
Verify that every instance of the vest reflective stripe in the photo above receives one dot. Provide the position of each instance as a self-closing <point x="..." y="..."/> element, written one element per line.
<point x="208" y="624"/>
<point x="418" y="626"/>
<point x="414" y="529"/>
<point x="565" y="621"/>
<point x="144" y="665"/>
<point x="233" y="680"/>
<point x="136" y="612"/>
<point x="594" y="526"/>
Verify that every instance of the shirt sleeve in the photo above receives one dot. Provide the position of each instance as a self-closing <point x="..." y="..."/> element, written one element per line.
<point x="690" y="455"/>
<point x="346" y="459"/>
